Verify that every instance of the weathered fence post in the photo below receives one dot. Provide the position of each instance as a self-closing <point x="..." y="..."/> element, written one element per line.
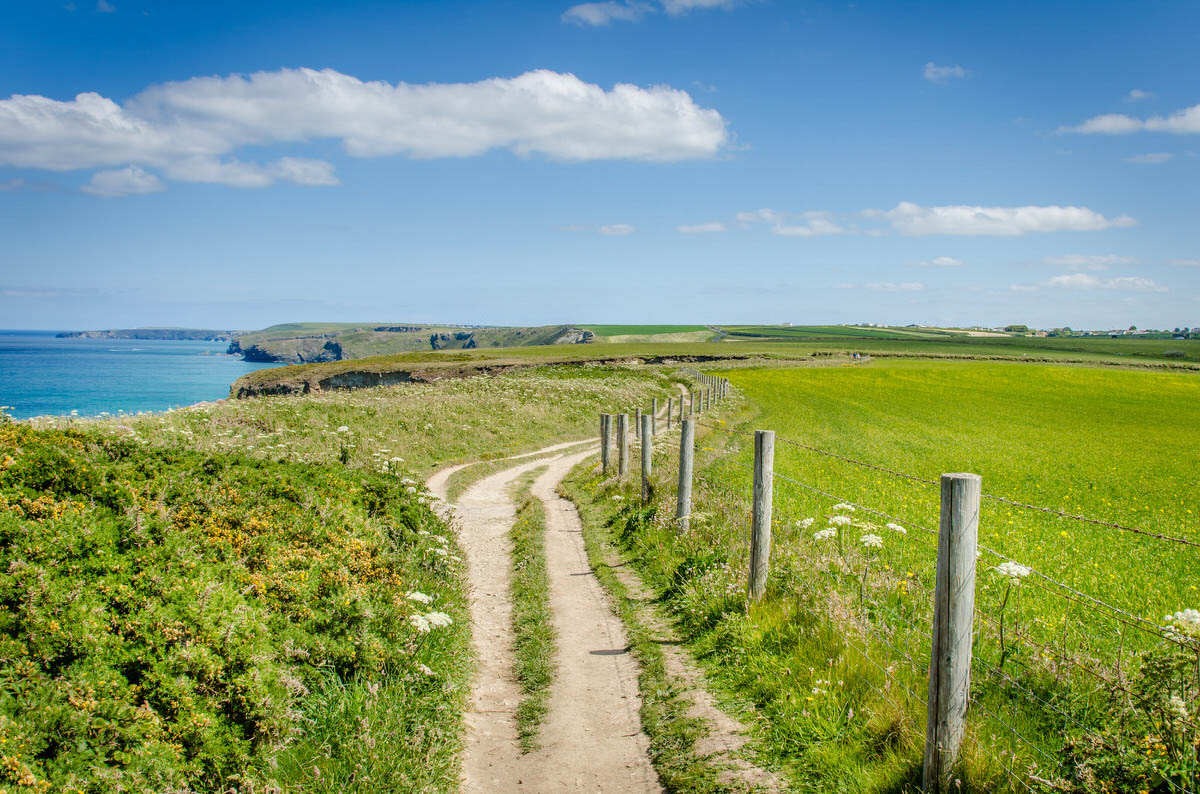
<point x="687" y="452"/>
<point x="637" y="422"/>
<point x="953" y="615"/>
<point x="681" y="409"/>
<point x="654" y="416"/>
<point x="760" y="529"/>
<point x="691" y="403"/>
<point x="622" y="444"/>
<point x="670" y="407"/>
<point x="605" y="437"/>
<point x="647" y="454"/>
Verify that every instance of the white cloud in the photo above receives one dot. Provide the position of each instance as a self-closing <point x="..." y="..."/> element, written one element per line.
<point x="1186" y="262"/>
<point x="1151" y="158"/>
<point x="1089" y="261"/>
<point x="600" y="14"/>
<point x="1086" y="281"/>
<point x="944" y="261"/>
<point x="186" y="127"/>
<point x="942" y="74"/>
<point x="1182" y="122"/>
<point x="299" y="170"/>
<point x="123" y="182"/>
<point x="803" y="224"/>
<point x="616" y="230"/>
<point x="913" y="219"/>
<point x="888" y="286"/>
<point x="701" y="228"/>
<point x="1137" y="95"/>
<point x="105" y="7"/>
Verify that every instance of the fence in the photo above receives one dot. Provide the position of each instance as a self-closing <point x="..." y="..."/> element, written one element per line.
<point x="976" y="658"/>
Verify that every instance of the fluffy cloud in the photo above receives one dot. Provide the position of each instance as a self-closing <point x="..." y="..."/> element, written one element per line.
<point x="187" y="127"/>
<point x="913" y="219"/>
<point x="804" y="224"/>
<point x="701" y="228"/>
<point x="1182" y="122"/>
<point x="1089" y="261"/>
<point x="683" y="6"/>
<point x="123" y="182"/>
<point x="1137" y="95"/>
<point x="599" y="14"/>
<point x="1151" y="158"/>
<point x="944" y="261"/>
<point x="942" y="74"/>
<point x="888" y="286"/>
<point x="1186" y="262"/>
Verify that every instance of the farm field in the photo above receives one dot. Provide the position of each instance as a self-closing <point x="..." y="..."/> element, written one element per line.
<point x="1089" y="695"/>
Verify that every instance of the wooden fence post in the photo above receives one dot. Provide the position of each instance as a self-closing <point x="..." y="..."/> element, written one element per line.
<point x="647" y="454"/>
<point x="953" y="615"/>
<point x="622" y="444"/>
<point x="654" y="416"/>
<point x="637" y="422"/>
<point x="687" y="453"/>
<point x="605" y="438"/>
<point x="670" y="407"/>
<point x="691" y="403"/>
<point x="760" y="529"/>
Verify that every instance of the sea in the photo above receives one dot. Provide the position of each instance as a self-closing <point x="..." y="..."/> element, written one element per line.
<point x="41" y="374"/>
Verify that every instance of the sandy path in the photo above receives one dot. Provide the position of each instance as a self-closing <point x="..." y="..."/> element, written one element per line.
<point x="592" y="739"/>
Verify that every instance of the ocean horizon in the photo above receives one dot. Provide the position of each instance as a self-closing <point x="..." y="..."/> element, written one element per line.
<point x="42" y="374"/>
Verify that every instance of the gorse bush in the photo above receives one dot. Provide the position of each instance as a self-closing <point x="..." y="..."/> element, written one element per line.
<point x="166" y="615"/>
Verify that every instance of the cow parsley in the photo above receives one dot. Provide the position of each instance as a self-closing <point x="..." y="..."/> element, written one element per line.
<point x="420" y="597"/>
<point x="897" y="528"/>
<point x="825" y="534"/>
<point x="1014" y="572"/>
<point x="871" y="541"/>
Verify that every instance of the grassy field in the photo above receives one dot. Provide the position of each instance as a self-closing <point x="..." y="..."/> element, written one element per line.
<point x="641" y="330"/>
<point x="834" y="659"/>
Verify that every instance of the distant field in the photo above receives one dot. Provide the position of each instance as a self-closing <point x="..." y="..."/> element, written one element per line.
<point x="641" y="330"/>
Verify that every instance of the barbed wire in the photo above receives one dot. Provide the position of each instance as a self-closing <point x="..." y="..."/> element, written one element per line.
<point x="992" y="497"/>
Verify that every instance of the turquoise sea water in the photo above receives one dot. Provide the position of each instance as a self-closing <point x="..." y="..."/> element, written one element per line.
<point x="40" y="374"/>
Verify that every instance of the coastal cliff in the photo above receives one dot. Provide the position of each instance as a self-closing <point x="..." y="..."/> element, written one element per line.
<point x="161" y="334"/>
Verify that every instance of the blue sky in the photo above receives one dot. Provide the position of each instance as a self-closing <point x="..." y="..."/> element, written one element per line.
<point x="240" y="164"/>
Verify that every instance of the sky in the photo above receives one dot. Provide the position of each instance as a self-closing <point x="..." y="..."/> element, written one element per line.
<point x="234" y="165"/>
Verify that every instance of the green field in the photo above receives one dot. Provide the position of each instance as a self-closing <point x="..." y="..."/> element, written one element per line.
<point x="1118" y="445"/>
<point x="641" y="330"/>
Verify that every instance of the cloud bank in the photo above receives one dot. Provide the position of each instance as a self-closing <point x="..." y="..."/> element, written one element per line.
<point x="602" y="13"/>
<point x="190" y="129"/>
<point x="915" y="220"/>
<point x="1182" y="122"/>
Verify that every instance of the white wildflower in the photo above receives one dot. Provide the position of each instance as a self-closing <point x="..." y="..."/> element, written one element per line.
<point x="897" y="528"/>
<point x="408" y="481"/>
<point x="440" y="552"/>
<point x="1014" y="572"/>
<point x="825" y="534"/>
<point x="438" y="619"/>
<point x="420" y="500"/>
<point x="618" y="498"/>
<point x="871" y="541"/>
<point x="805" y="523"/>
<point x="410" y="489"/>
<point x="424" y="669"/>
<point x="343" y="429"/>
<point x="842" y="507"/>
<point x="420" y="623"/>
<point x="1185" y="622"/>
<point x="419" y="597"/>
<point x="839" y="521"/>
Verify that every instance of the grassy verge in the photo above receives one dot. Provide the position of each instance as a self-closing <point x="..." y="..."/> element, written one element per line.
<point x="179" y="620"/>
<point x="532" y="621"/>
<point x="672" y="731"/>
<point x="464" y="478"/>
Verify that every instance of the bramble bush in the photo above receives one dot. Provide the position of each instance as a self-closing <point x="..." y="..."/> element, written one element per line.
<point x="165" y="615"/>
